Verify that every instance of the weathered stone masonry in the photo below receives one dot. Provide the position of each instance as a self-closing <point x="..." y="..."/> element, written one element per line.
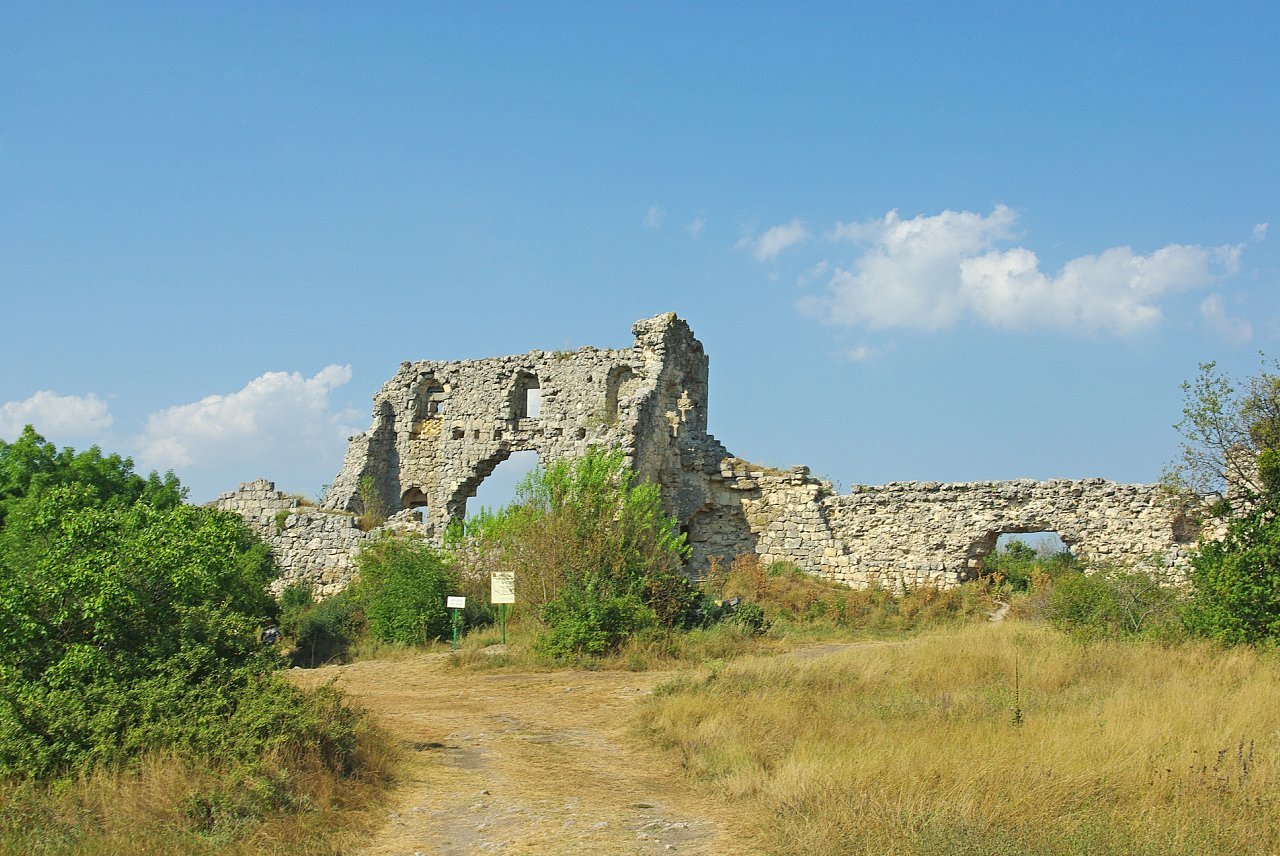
<point x="440" y="428"/>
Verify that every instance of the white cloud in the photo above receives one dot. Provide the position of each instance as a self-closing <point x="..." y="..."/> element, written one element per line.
<point x="695" y="228"/>
<point x="858" y="353"/>
<point x="53" y="415"/>
<point x="654" y="217"/>
<point x="776" y="239"/>
<point x="929" y="272"/>
<point x="1259" y="231"/>
<point x="1237" y="331"/>
<point x="276" y="422"/>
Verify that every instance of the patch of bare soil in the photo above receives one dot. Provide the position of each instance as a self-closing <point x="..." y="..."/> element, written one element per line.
<point x="530" y="763"/>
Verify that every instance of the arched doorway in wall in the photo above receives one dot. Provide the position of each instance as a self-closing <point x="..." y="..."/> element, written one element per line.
<point x="492" y="483"/>
<point x="618" y="385"/>
<point x="1014" y="548"/>
<point x="1045" y="543"/>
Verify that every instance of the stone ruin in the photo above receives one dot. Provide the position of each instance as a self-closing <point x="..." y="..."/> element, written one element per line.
<point x="440" y="428"/>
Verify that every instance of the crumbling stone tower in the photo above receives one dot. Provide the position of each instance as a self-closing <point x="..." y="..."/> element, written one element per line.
<point x="440" y="428"/>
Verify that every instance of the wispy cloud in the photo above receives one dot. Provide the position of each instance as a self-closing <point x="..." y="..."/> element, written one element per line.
<point x="773" y="241"/>
<point x="1237" y="331"/>
<point x="654" y="217"/>
<point x="859" y="353"/>
<point x="931" y="271"/>
<point x="695" y="228"/>
<point x="275" y="421"/>
<point x="56" y="416"/>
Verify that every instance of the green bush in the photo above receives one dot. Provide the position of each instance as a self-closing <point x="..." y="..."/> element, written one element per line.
<point x="295" y="599"/>
<point x="129" y="624"/>
<point x="583" y="622"/>
<point x="327" y="630"/>
<point x="403" y="585"/>
<point x="750" y="617"/>
<point x="1235" y="582"/>
<point x="592" y="551"/>
<point x="1114" y="602"/>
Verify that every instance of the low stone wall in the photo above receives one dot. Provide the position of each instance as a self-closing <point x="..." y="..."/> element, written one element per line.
<point x="908" y="533"/>
<point x="308" y="543"/>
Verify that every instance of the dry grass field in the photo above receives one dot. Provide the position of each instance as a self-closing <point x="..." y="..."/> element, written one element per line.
<point x="975" y="738"/>
<point x="926" y="747"/>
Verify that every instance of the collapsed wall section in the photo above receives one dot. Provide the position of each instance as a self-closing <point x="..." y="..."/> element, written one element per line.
<point x="308" y="543"/>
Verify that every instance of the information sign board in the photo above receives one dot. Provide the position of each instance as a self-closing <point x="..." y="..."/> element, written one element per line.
<point x="502" y="587"/>
<point x="455" y="602"/>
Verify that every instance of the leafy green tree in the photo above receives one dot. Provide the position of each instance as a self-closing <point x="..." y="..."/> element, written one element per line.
<point x="403" y="585"/>
<point x="1231" y="435"/>
<point x="1236" y="581"/>
<point x="111" y="615"/>
<point x="130" y="622"/>
<point x="32" y="464"/>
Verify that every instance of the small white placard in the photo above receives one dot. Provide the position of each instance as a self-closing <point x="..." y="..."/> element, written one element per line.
<point x="502" y="587"/>
<point x="455" y="602"/>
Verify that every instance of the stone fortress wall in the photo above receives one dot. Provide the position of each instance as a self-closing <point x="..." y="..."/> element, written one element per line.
<point x="440" y="428"/>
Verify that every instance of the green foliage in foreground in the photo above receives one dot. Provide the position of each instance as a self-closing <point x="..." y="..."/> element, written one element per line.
<point x="1115" y="602"/>
<point x="321" y="631"/>
<point x="129" y="623"/>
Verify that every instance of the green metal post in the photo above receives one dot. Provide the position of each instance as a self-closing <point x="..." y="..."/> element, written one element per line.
<point x="502" y="610"/>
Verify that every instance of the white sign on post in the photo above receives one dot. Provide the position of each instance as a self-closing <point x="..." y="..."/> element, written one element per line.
<point x="455" y="602"/>
<point x="502" y="587"/>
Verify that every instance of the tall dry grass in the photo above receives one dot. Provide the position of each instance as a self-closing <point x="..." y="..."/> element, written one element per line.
<point x="290" y="802"/>
<point x="912" y="747"/>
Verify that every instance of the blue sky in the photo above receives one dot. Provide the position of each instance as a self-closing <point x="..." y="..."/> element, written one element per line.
<point x="919" y="241"/>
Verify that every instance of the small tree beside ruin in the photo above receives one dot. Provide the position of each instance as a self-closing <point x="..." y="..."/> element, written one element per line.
<point x="1231" y="444"/>
<point x="592" y="550"/>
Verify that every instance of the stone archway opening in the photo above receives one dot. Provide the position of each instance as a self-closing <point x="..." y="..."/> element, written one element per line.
<point x="1045" y="543"/>
<point x="496" y="488"/>
<point x="1016" y="553"/>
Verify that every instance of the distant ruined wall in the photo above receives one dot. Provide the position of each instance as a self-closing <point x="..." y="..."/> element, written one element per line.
<point x="308" y="544"/>
<point x="440" y="428"/>
<point x="930" y="532"/>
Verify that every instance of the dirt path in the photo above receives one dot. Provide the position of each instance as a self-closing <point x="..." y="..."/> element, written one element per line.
<point x="536" y="763"/>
